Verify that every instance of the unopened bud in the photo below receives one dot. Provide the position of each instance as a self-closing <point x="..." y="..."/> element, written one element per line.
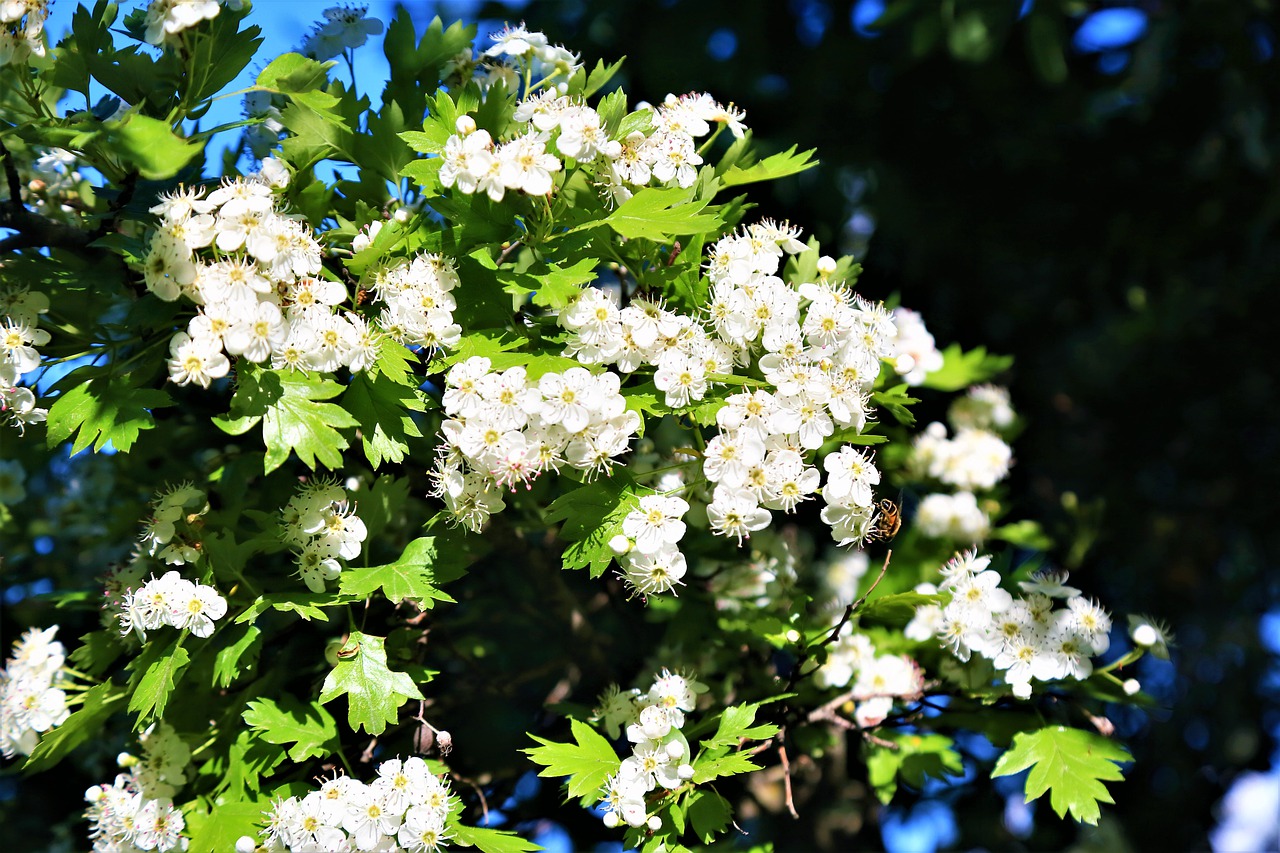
<point x="620" y="545"/>
<point x="1145" y="635"/>
<point x="612" y="820"/>
<point x="674" y="748"/>
<point x="1131" y="686"/>
<point x="124" y="759"/>
<point x="402" y="215"/>
<point x="826" y="266"/>
<point x="246" y="844"/>
<point x="466" y="125"/>
<point x="685" y="771"/>
<point x="655" y="823"/>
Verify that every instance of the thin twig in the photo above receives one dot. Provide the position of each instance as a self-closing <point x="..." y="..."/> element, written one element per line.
<point x="853" y="608"/>
<point x="507" y="250"/>
<point x="786" y="781"/>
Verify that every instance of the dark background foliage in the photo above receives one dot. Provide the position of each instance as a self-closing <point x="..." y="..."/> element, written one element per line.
<point x="1105" y="209"/>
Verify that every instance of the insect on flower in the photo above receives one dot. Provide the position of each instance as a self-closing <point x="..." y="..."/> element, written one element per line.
<point x="887" y="523"/>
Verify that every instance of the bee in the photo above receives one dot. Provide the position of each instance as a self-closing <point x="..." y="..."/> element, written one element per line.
<point x="887" y="522"/>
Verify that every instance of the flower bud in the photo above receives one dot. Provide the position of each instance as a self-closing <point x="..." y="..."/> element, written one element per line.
<point x="620" y="545"/>
<point x="674" y="748"/>
<point x="685" y="771"/>
<point x="826" y="266"/>
<point x="655" y="823"/>
<point x="1131" y="686"/>
<point x="402" y="215"/>
<point x="466" y="125"/>
<point x="612" y="820"/>
<point x="246" y="844"/>
<point x="1144" y="635"/>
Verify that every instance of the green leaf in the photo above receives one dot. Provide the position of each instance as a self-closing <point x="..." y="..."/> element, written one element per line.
<point x="226" y="665"/>
<point x="709" y="813"/>
<point x="1071" y="764"/>
<point x="226" y="824"/>
<point x="102" y="409"/>
<point x="387" y="498"/>
<point x="100" y="702"/>
<point x="374" y="692"/>
<point x="395" y="362"/>
<point x="895" y="607"/>
<point x="96" y="652"/>
<point x="490" y="840"/>
<point x="896" y="400"/>
<point x="779" y="165"/>
<point x="382" y="407"/>
<point x="306" y="604"/>
<point x="309" y="728"/>
<point x="164" y="669"/>
<point x="592" y="515"/>
<point x="961" y="369"/>
<point x="658" y="213"/>
<point x="914" y="758"/>
<point x="559" y="286"/>
<point x="410" y="578"/>
<point x="736" y="724"/>
<point x="152" y="146"/>
<point x="588" y="762"/>
<point x="707" y="768"/>
<point x="250" y="758"/>
<point x="293" y="73"/>
<point x="1024" y="534"/>
<point x="294" y="418"/>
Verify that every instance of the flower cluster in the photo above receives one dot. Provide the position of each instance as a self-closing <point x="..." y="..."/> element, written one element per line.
<point x="171" y="600"/>
<point x="660" y="753"/>
<point x="472" y="161"/>
<point x="124" y="819"/>
<point x="502" y="429"/>
<point x="647" y="547"/>
<point x="321" y="524"/>
<point x="171" y="533"/>
<point x="166" y="19"/>
<point x="975" y="459"/>
<point x="1025" y="638"/>
<point x="877" y="680"/>
<point x="32" y="700"/>
<point x="405" y="808"/>
<point x="136" y="811"/>
<point x="419" y="305"/>
<point x="251" y="269"/>
<point x="343" y="28"/>
<point x="22" y="29"/>
<point x="957" y="517"/>
<point x="918" y="355"/>
<point x="818" y="346"/>
<point x="162" y="768"/>
<point x="518" y="46"/>
<point x="20" y="310"/>
<point x="985" y="407"/>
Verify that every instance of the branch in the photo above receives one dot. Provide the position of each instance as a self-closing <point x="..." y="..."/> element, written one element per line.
<point x="11" y="175"/>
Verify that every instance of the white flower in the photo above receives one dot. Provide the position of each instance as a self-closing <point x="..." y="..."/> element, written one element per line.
<point x="196" y="360"/>
<point x="656" y="522"/>
<point x="526" y="165"/>
<point x="166" y="18"/>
